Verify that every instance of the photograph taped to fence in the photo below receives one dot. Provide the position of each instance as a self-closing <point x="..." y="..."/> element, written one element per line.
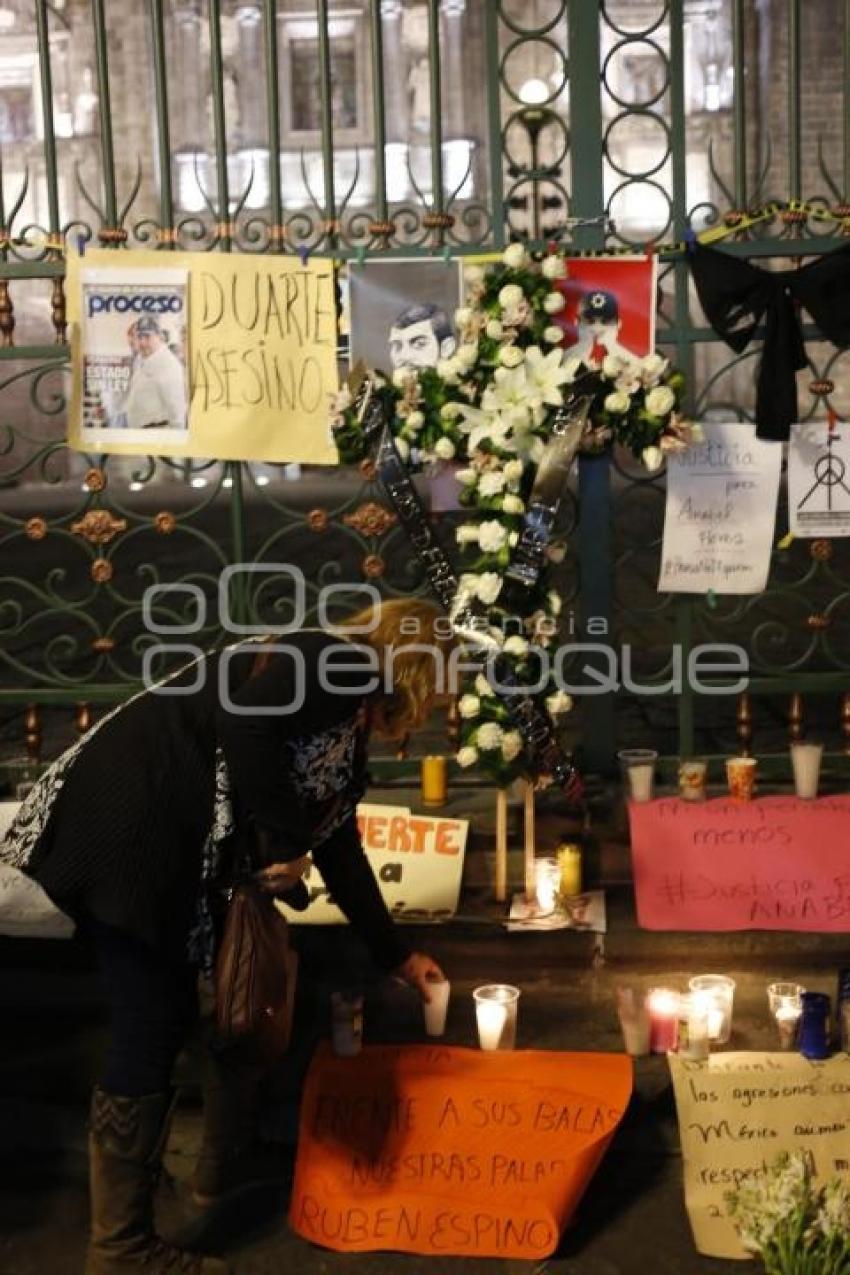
<point x="401" y="312"/>
<point x="227" y="356"/>
<point x="610" y="307"/>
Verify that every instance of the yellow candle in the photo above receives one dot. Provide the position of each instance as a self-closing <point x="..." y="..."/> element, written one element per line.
<point x="569" y="863"/>
<point x="434" y="781"/>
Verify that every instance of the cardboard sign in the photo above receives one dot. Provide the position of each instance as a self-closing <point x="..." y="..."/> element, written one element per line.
<point x="819" y="479"/>
<point x="417" y="860"/>
<point x="256" y="343"/>
<point x="778" y="863"/>
<point x="738" y="1112"/>
<point x="720" y="514"/>
<point x="451" y="1151"/>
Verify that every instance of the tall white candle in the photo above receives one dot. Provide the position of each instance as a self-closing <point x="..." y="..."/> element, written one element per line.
<point x="435" y="1010"/>
<point x="491" y="1023"/>
<point x="806" y="759"/>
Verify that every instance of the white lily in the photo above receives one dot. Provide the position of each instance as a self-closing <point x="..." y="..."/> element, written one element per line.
<point x="546" y="374"/>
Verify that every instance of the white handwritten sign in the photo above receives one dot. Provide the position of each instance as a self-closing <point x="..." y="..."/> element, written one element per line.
<point x="417" y="860"/>
<point x="819" y="479"/>
<point x="721" y="510"/>
<point x="738" y="1112"/>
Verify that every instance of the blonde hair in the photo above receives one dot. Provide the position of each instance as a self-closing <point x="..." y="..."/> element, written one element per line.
<point x="413" y="639"/>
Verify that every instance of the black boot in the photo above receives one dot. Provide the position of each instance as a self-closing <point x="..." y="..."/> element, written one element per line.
<point x="126" y="1144"/>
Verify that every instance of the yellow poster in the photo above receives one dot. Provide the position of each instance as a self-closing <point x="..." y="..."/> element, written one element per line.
<point x="217" y="356"/>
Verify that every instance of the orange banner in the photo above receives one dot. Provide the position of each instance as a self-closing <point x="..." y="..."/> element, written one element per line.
<point x="441" y="1150"/>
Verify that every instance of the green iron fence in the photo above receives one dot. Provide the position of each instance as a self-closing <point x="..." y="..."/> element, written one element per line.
<point x="406" y="129"/>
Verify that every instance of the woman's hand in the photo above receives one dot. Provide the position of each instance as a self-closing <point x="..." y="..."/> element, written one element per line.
<point x="418" y="971"/>
<point x="278" y="878"/>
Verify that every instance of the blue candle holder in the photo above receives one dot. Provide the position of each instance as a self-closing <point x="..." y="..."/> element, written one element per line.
<point x="813" y="1040"/>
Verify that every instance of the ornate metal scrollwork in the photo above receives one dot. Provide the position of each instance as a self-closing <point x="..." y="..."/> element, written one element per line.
<point x="98" y="526"/>
<point x="371" y="519"/>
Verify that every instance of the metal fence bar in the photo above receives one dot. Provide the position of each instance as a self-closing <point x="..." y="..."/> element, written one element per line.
<point x="436" y="113"/>
<point x="846" y="97"/>
<point x="494" y="123"/>
<point x="107" y="148"/>
<point x="739" y="104"/>
<point x="273" y="111"/>
<point x="163" y="132"/>
<point x="379" y="125"/>
<point x="225" y="228"/>
<point x="50" y="169"/>
<point x="795" y="162"/>
<point x="331" y="228"/>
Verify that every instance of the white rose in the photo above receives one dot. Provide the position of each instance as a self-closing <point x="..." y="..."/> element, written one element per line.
<point x="612" y="366"/>
<point x="513" y="505"/>
<point x="450" y="411"/>
<point x="618" y="402"/>
<point x="467" y="354"/>
<point x="555" y="603"/>
<point x="449" y="370"/>
<point x="510" y="356"/>
<point x="652" y="458"/>
<point x="553" y="335"/>
<point x="513" y="471"/>
<point x="467" y="756"/>
<point x="492" y="482"/>
<point x="653" y="367"/>
<point x="558" y="704"/>
<point x="473" y="275"/>
<point x="466" y="476"/>
<point x="513" y="539"/>
<point x="483" y="687"/>
<point x="403" y="376"/>
<point x="467" y="534"/>
<point x="402" y="448"/>
<point x="469" y="706"/>
<point x="494" y="330"/>
<point x="515" y="256"/>
<point x="489" y="737"/>
<point x="444" y="448"/>
<point x="510" y="296"/>
<point x="463" y="314"/>
<point x="553" y="267"/>
<point x="488" y="586"/>
<point x="415" y="420"/>
<point x="491" y="536"/>
<point x="553" y="302"/>
<point x="515" y="645"/>
<point x="512" y="745"/>
<point x="660" y="401"/>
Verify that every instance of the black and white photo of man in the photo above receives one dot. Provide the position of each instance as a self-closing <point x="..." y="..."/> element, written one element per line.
<point x="156" y="398"/>
<point x="401" y="313"/>
<point x="420" y="336"/>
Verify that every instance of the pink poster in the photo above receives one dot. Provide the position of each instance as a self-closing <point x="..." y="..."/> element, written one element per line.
<point x="778" y="863"/>
<point x="610" y="306"/>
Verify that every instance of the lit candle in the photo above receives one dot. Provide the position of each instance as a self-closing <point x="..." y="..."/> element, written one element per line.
<point x="547" y="880"/>
<point x="434" y="781"/>
<point x="713" y="996"/>
<point x="638" y="767"/>
<point x="663" y="1007"/>
<point x="787" y="1019"/>
<point x="436" y="1009"/>
<point x="496" y="1013"/>
<point x="569" y="865"/>
<point x="693" y="1040"/>
<point x="634" y="1021"/>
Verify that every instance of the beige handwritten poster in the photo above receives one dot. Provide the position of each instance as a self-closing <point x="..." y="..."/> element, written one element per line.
<point x="448" y="1151"/>
<point x="248" y="341"/>
<point x="738" y="1112"/>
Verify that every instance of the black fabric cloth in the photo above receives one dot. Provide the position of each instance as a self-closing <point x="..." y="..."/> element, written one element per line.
<point x="124" y="840"/>
<point x="153" y="1005"/>
<point x="738" y="296"/>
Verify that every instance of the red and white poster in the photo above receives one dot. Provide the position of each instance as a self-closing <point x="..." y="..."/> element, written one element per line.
<point x="610" y="306"/>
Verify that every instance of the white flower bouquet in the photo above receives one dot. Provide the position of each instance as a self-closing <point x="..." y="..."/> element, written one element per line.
<point x="794" y="1227"/>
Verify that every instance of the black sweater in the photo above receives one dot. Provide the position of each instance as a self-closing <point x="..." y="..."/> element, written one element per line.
<point x="124" y="838"/>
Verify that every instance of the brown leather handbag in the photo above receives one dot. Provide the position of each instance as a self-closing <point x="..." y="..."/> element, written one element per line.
<point x="256" y="973"/>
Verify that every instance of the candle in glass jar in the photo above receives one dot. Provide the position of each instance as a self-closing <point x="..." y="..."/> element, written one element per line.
<point x="663" y="1007"/>
<point x="496" y="1014"/>
<point x="714" y="994"/>
<point x="434" y="778"/>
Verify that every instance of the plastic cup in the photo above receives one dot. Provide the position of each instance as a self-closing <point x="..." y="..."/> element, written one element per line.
<point x="638" y="768"/>
<point x="805" y="762"/>
<point x="496" y="1013"/>
<point x="741" y="777"/>
<point x="435" y="1011"/>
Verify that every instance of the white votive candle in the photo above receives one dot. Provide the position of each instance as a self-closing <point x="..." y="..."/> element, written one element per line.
<point x="435" y="1010"/>
<point x="496" y="1013"/>
<point x="805" y="760"/>
<point x="713" y="996"/>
